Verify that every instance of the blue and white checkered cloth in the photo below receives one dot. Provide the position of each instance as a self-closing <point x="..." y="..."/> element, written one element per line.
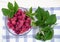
<point x="8" y="37"/>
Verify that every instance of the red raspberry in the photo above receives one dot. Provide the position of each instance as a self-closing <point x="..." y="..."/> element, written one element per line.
<point x="23" y="30"/>
<point x="17" y="31"/>
<point x="20" y="11"/>
<point x="9" y="24"/>
<point x="21" y="23"/>
<point x="14" y="19"/>
<point x="13" y="22"/>
<point x="20" y="17"/>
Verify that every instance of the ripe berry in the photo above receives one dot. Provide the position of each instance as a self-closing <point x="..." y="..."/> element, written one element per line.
<point x="13" y="22"/>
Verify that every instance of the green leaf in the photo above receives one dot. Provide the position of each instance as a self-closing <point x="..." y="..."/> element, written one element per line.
<point x="38" y="14"/>
<point x="30" y="10"/>
<point x="38" y="36"/>
<point x="39" y="10"/>
<point x="30" y="14"/>
<point x="51" y="19"/>
<point x="11" y="9"/>
<point x="45" y="15"/>
<point x="15" y="7"/>
<point x="46" y="28"/>
<point x="37" y="23"/>
<point x="11" y="14"/>
<point x="5" y="11"/>
<point x="48" y="35"/>
<point x="40" y="23"/>
<point x="41" y="14"/>
<point x="10" y="6"/>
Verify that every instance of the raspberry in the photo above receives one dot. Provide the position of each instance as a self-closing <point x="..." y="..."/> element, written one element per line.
<point x="17" y="31"/>
<point x="10" y="25"/>
<point x="20" y="11"/>
<point x="13" y="22"/>
<point x="20" y="17"/>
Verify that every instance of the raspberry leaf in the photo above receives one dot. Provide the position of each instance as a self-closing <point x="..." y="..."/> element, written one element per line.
<point x="45" y="22"/>
<point x="11" y="14"/>
<point x="15" y="7"/>
<point x="38" y="14"/>
<point x="46" y="28"/>
<point x="30" y="14"/>
<point x="48" y="35"/>
<point x="11" y="9"/>
<point x="38" y="36"/>
<point x="30" y="10"/>
<point x="5" y="11"/>
<point x="10" y="6"/>
<point x="51" y="19"/>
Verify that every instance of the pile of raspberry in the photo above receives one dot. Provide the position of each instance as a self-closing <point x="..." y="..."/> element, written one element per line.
<point x="19" y="23"/>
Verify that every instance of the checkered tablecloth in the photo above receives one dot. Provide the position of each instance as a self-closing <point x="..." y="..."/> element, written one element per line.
<point x="29" y="37"/>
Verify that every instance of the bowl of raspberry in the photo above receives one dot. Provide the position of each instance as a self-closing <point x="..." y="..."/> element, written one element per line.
<point x="19" y="24"/>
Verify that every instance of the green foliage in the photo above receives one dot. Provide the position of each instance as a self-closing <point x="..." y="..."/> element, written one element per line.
<point x="5" y="11"/>
<point x="39" y="36"/>
<point x="15" y="7"/>
<point x="51" y="19"/>
<point x="10" y="6"/>
<point x="11" y="10"/>
<point x="45" y="21"/>
<point x="30" y="14"/>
